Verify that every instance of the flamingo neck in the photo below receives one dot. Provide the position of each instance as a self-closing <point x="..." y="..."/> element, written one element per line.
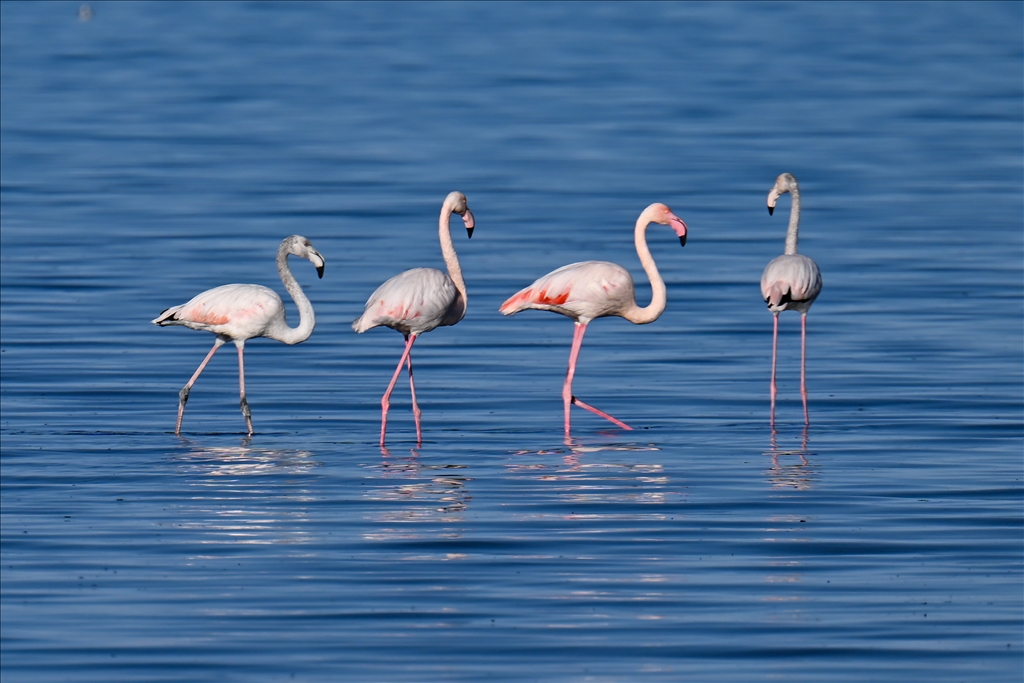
<point x="794" y="220"/>
<point x="652" y="311"/>
<point x="307" y="320"/>
<point x="451" y="259"/>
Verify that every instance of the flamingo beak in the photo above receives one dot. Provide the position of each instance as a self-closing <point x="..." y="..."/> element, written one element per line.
<point x="319" y="262"/>
<point x="680" y="227"/>
<point x="470" y="222"/>
<point x="773" y="196"/>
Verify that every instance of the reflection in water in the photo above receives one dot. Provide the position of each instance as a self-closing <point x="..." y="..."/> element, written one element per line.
<point x="429" y="493"/>
<point x="239" y="496"/>
<point x="794" y="475"/>
<point x="599" y="482"/>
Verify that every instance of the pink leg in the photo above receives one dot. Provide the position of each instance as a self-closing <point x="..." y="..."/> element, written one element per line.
<point x="567" y="398"/>
<point x="385" y="402"/>
<point x="803" y="365"/>
<point x="243" y="404"/>
<point x="416" y="412"/>
<point x="775" y="348"/>
<point x="183" y="394"/>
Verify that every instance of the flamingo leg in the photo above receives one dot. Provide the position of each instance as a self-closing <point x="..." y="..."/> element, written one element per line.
<point x="183" y="394"/>
<point x="416" y="412"/>
<point x="567" y="398"/>
<point x="385" y="401"/>
<point x="243" y="403"/>
<point x="803" y="366"/>
<point x="774" y="390"/>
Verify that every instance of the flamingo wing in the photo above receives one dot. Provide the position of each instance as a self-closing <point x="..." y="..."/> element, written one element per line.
<point x="582" y="291"/>
<point x="233" y="311"/>
<point x="414" y="301"/>
<point x="791" y="281"/>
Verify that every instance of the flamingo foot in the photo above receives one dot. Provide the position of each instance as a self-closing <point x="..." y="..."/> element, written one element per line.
<point x="601" y="413"/>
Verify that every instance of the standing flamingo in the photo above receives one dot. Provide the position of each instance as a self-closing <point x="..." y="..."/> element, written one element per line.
<point x="240" y="312"/>
<point x="595" y="289"/>
<point x="790" y="282"/>
<point x="417" y="301"/>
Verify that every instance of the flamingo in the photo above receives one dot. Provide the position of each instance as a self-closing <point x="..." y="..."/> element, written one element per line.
<point x="790" y="282"/>
<point x="240" y="312"/>
<point x="595" y="289"/>
<point x="417" y="301"/>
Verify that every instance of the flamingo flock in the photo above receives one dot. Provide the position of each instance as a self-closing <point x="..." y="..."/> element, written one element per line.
<point x="422" y="299"/>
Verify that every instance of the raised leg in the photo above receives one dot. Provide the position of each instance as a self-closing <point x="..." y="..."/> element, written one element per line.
<point x="243" y="404"/>
<point x="567" y="398"/>
<point x="775" y="349"/>
<point x="385" y="401"/>
<point x="415" y="406"/>
<point x="183" y="394"/>
<point x="803" y="366"/>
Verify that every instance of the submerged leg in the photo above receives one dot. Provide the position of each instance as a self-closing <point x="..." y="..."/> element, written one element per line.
<point x="416" y="412"/>
<point x="803" y="366"/>
<point x="183" y="394"/>
<point x="243" y="404"/>
<point x="567" y="398"/>
<point x="385" y="401"/>
<point x="773" y="390"/>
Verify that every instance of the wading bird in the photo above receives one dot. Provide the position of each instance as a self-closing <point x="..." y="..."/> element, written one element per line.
<point x="791" y="282"/>
<point x="240" y="312"/>
<point x="596" y="289"/>
<point x="417" y="301"/>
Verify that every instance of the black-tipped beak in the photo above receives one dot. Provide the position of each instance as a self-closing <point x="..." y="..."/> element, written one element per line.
<point x="469" y="231"/>
<point x="771" y="210"/>
<point x="682" y="240"/>
<point x="320" y="272"/>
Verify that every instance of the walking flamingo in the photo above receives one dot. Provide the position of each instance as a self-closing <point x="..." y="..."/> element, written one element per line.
<point x="595" y="289"/>
<point x="240" y="312"/>
<point x="791" y="282"/>
<point x="417" y="301"/>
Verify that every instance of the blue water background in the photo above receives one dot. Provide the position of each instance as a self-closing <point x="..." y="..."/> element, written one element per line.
<point x="161" y="149"/>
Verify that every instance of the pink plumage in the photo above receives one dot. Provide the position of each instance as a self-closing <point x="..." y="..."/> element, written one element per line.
<point x="595" y="289"/>
<point x="419" y="300"/>
<point x="239" y="312"/>
<point x="790" y="282"/>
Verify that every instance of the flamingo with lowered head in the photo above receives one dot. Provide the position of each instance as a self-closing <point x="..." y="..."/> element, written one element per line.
<point x="240" y="312"/>
<point x="790" y="282"/>
<point x="417" y="301"/>
<point x="596" y="289"/>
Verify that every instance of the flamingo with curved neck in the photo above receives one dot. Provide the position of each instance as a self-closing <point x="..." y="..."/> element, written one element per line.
<point x="419" y="300"/>
<point x="240" y="312"/>
<point x="790" y="282"/>
<point x="596" y="289"/>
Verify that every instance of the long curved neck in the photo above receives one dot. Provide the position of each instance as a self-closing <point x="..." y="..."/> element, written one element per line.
<point x="451" y="259"/>
<point x="307" y="320"/>
<point x="659" y="297"/>
<point x="794" y="221"/>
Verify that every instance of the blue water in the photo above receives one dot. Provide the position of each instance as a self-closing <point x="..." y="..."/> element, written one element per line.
<point x="158" y="150"/>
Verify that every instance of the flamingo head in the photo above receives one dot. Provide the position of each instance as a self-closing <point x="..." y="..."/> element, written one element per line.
<point x="661" y="214"/>
<point x="297" y="245"/>
<point x="457" y="202"/>
<point x="783" y="184"/>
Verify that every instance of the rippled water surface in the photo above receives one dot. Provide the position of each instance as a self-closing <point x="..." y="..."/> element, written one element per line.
<point x="157" y="150"/>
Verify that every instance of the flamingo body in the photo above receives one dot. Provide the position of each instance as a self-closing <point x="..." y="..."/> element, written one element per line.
<point x="595" y="289"/>
<point x="413" y="302"/>
<point x="240" y="312"/>
<point x="419" y="300"/>
<point x="581" y="291"/>
<point x="790" y="282"/>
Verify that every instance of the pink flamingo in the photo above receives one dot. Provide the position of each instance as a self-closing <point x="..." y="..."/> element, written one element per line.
<point x="240" y="312"/>
<point x="417" y="301"/>
<point x="790" y="282"/>
<point x="595" y="289"/>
